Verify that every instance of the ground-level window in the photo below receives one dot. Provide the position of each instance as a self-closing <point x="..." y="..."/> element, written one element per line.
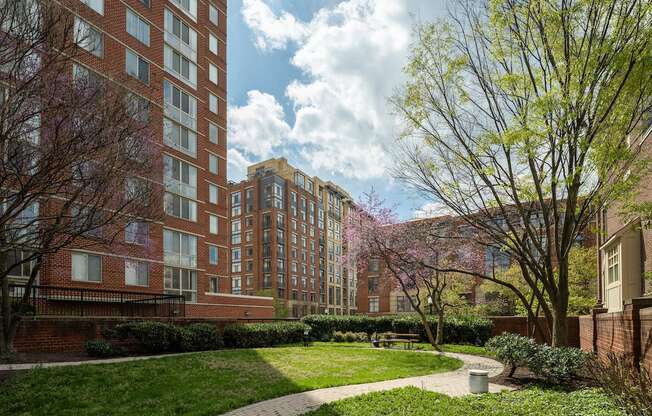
<point x="373" y="304"/>
<point x="613" y="264"/>
<point x="136" y="273"/>
<point x="86" y="267"/>
<point x="181" y="282"/>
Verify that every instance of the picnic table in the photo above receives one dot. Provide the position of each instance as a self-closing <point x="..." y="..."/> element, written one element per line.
<point x="392" y="338"/>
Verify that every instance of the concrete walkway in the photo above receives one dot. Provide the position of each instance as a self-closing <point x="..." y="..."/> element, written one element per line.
<point x="29" y="366"/>
<point x="453" y="383"/>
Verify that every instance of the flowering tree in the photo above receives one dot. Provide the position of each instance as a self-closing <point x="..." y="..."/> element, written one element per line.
<point x="78" y="160"/>
<point x="412" y="255"/>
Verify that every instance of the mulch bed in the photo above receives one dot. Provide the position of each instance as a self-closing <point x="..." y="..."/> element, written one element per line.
<point x="525" y="378"/>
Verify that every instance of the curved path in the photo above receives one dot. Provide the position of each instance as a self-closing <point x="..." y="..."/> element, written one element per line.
<point x="452" y="383"/>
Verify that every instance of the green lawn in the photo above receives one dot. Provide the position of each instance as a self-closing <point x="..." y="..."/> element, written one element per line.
<point x="205" y="383"/>
<point x="415" y="402"/>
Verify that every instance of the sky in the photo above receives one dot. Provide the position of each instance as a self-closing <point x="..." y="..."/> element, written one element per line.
<point x="309" y="80"/>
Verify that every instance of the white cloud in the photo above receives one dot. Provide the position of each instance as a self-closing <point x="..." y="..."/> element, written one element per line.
<point x="352" y="55"/>
<point x="258" y="126"/>
<point x="432" y="209"/>
<point x="270" y="31"/>
<point x="237" y="164"/>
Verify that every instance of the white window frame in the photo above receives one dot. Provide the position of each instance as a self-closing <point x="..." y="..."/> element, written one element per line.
<point x="173" y="130"/>
<point x="213" y="224"/>
<point x="141" y="31"/>
<point x="213" y="105"/>
<point x="213" y="164"/>
<point x="84" y="32"/>
<point x="213" y="44"/>
<point x="213" y="14"/>
<point x="96" y="5"/>
<point x="213" y="250"/>
<point x="84" y="256"/>
<point x="135" y="265"/>
<point x="135" y="72"/>
<point x="213" y="193"/>
<point x="212" y="73"/>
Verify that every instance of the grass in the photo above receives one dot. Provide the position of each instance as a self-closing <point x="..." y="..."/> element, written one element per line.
<point x="415" y="402"/>
<point x="205" y="383"/>
<point x="462" y="349"/>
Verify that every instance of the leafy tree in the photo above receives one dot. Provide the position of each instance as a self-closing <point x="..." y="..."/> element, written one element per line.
<point x="520" y="117"/>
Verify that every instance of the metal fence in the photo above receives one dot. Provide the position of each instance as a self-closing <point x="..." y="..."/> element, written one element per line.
<point x="67" y="301"/>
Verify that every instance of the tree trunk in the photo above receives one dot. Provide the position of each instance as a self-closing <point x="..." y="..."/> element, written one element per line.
<point x="5" y="333"/>
<point x="426" y="325"/>
<point x="440" y="327"/>
<point x="560" y="307"/>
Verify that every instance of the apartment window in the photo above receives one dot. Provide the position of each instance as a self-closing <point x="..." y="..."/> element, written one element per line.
<point x="187" y="6"/>
<point x="212" y="73"/>
<point x="136" y="66"/>
<point x="180" y="137"/>
<point x="180" y="177"/>
<point x="236" y="285"/>
<point x="180" y="248"/>
<point x="613" y="264"/>
<point x="212" y="103"/>
<point x="179" y="105"/>
<point x="212" y="255"/>
<point x="212" y="193"/>
<point x="372" y="284"/>
<point x="212" y="43"/>
<point x="180" y="36"/>
<point x="181" y="281"/>
<point x="138" y="108"/>
<point x="137" y="27"/>
<point x="373" y="305"/>
<point x="212" y="133"/>
<point x="88" y="38"/>
<point x="403" y="304"/>
<point x="146" y="3"/>
<point x="212" y="163"/>
<point x="373" y="265"/>
<point x="180" y="207"/>
<point x="235" y="204"/>
<point x="214" y="285"/>
<point x="235" y="232"/>
<point x="182" y="67"/>
<point x="213" y="224"/>
<point x="136" y="233"/>
<point x="97" y="5"/>
<point x="212" y="14"/>
<point x="136" y="273"/>
<point x="86" y="267"/>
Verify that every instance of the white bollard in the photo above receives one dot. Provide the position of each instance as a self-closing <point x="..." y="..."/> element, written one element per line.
<point x="478" y="381"/>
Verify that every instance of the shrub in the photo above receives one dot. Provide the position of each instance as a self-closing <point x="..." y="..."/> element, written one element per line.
<point x="263" y="335"/>
<point x="200" y="337"/>
<point x="151" y="337"/>
<point x="557" y="365"/>
<point x="457" y="330"/>
<point x="99" y="348"/>
<point x="512" y="350"/>
<point x="350" y="336"/>
<point x="626" y="385"/>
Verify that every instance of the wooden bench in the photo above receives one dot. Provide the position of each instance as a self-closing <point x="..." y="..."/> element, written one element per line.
<point x="392" y="338"/>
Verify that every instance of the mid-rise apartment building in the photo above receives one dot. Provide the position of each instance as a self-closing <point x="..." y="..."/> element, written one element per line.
<point x="287" y="239"/>
<point x="176" y="50"/>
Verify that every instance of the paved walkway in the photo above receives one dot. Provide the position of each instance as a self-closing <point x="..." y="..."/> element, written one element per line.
<point x="453" y="383"/>
<point x="29" y="366"/>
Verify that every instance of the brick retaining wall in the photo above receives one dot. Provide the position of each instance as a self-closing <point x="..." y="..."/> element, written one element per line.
<point x="518" y="325"/>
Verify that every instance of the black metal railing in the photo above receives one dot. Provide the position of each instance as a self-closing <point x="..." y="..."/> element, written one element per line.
<point x="68" y="301"/>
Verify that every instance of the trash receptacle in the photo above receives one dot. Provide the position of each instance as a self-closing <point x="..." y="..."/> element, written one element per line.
<point x="478" y="381"/>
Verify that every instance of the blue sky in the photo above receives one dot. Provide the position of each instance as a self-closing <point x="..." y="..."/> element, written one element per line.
<point x="309" y="80"/>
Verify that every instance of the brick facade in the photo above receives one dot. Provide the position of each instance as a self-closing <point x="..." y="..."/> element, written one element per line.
<point x="110" y="19"/>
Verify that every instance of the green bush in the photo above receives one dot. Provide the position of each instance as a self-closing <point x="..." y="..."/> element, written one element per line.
<point x="557" y="365"/>
<point x="512" y="350"/>
<point x="99" y="348"/>
<point x="553" y="364"/>
<point x="457" y="329"/>
<point x="350" y="336"/>
<point x="150" y="336"/>
<point x="200" y="337"/>
<point x="263" y="335"/>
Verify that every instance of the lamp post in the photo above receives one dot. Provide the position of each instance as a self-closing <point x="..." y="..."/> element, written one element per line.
<point x="430" y="304"/>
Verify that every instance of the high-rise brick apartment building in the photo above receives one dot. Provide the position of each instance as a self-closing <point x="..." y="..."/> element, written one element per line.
<point x="287" y="239"/>
<point x="176" y="50"/>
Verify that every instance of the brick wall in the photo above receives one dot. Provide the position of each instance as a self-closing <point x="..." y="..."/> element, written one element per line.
<point x="518" y="325"/>
<point x="41" y="335"/>
<point x="627" y="333"/>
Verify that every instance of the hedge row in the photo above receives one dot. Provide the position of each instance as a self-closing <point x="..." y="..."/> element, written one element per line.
<point x="263" y="335"/>
<point x="158" y="337"/>
<point x="457" y="329"/>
